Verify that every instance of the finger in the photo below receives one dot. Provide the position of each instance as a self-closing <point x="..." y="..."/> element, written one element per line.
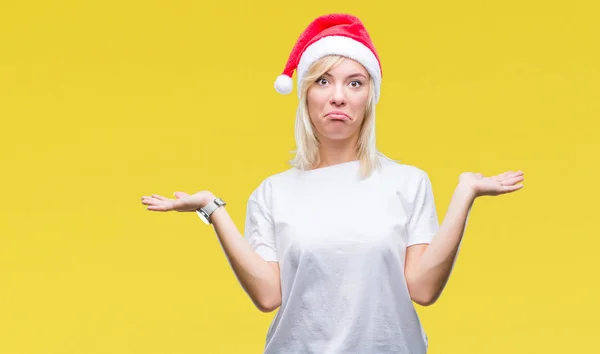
<point x="151" y="201"/>
<point x="513" y="180"/>
<point x="160" y="207"/>
<point x="154" y="201"/>
<point x="149" y="197"/>
<point x="507" y="175"/>
<point x="159" y="197"/>
<point x="509" y="189"/>
<point x="145" y="199"/>
<point x="501" y="176"/>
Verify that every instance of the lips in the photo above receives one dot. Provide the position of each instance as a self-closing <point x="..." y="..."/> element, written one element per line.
<point x="337" y="115"/>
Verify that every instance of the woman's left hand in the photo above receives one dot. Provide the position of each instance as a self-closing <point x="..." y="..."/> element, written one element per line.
<point x="503" y="183"/>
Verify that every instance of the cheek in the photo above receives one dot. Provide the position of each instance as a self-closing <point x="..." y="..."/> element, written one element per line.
<point x="359" y="103"/>
<point x="315" y="104"/>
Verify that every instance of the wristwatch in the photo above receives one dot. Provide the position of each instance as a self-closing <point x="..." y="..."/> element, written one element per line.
<point x="205" y="212"/>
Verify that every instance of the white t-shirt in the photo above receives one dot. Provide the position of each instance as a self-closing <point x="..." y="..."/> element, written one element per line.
<point x="340" y="243"/>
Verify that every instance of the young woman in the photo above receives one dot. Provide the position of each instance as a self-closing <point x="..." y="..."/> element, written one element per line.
<point x="347" y="239"/>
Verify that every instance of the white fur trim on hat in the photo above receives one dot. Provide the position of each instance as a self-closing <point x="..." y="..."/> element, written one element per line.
<point x="344" y="46"/>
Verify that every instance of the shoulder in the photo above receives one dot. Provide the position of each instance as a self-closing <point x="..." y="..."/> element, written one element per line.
<point x="397" y="170"/>
<point x="408" y="181"/>
<point x="265" y="186"/>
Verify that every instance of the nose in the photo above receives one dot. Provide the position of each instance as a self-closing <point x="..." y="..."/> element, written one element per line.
<point x="338" y="96"/>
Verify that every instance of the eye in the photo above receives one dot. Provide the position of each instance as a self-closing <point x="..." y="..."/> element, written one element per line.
<point x="321" y="81"/>
<point x="355" y="83"/>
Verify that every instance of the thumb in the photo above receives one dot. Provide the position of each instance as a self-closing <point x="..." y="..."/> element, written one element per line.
<point x="180" y="195"/>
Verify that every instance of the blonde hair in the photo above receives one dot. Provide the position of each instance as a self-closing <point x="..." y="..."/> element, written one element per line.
<point x="307" y="146"/>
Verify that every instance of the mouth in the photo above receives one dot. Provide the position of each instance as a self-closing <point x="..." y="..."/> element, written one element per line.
<point x="337" y="116"/>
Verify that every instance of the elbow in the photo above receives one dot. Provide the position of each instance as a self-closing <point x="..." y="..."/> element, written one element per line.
<point x="268" y="305"/>
<point x="423" y="297"/>
<point x="424" y="300"/>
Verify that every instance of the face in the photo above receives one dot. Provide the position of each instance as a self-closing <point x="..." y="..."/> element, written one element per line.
<point x="337" y="101"/>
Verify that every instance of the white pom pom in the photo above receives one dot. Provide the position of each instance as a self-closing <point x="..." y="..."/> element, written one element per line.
<point x="284" y="84"/>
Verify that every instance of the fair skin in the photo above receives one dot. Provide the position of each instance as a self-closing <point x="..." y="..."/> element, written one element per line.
<point x="427" y="266"/>
<point x="259" y="278"/>
<point x="337" y="103"/>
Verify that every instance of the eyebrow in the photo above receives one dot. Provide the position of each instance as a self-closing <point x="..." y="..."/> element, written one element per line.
<point x="349" y="76"/>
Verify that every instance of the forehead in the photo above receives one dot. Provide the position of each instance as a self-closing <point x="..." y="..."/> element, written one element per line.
<point x="348" y="66"/>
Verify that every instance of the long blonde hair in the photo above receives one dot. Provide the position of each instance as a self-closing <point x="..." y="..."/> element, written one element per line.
<point x="307" y="145"/>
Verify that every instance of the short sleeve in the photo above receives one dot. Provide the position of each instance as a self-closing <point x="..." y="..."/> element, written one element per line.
<point x="423" y="223"/>
<point x="259" y="230"/>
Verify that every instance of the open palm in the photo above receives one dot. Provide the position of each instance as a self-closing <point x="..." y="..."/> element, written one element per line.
<point x="503" y="183"/>
<point x="183" y="202"/>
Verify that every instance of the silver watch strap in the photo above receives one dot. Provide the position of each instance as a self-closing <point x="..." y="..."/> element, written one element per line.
<point x="210" y="208"/>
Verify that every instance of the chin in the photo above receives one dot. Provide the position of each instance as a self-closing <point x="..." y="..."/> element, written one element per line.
<point x="337" y="136"/>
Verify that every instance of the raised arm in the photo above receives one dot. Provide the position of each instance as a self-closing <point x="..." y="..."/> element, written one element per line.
<point x="259" y="277"/>
<point x="428" y="266"/>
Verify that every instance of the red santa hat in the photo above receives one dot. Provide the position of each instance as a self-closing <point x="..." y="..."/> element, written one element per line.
<point x="333" y="34"/>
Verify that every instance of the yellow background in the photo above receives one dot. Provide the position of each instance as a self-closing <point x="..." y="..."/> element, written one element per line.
<point x="102" y="102"/>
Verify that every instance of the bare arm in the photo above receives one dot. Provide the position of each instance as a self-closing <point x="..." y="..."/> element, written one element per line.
<point x="428" y="267"/>
<point x="259" y="278"/>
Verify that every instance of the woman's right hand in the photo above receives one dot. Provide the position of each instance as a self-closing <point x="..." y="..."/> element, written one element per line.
<point x="183" y="201"/>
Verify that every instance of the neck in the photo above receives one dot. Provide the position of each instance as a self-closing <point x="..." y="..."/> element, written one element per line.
<point x="336" y="152"/>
